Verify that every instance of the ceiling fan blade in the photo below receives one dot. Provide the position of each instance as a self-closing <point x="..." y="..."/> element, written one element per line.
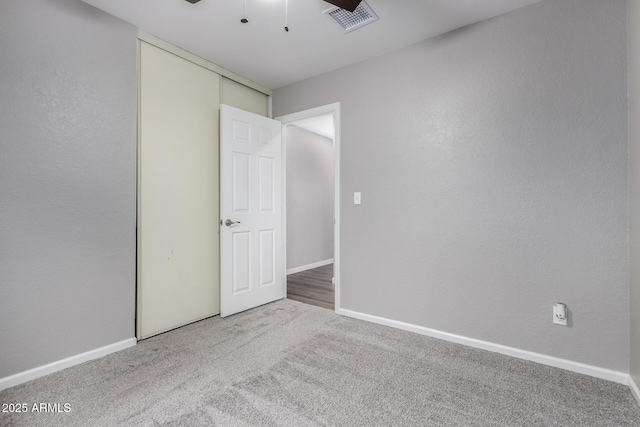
<point x="349" y="5"/>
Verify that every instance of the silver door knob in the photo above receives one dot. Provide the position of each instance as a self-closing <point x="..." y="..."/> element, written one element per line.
<point x="229" y="223"/>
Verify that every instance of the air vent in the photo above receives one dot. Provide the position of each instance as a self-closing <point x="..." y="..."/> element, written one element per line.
<point x="350" y="21"/>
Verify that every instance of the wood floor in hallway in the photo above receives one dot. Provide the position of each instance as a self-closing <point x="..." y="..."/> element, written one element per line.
<point x="313" y="287"/>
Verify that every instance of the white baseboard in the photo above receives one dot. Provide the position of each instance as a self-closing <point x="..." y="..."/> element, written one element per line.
<point x="40" y="371"/>
<point x="581" y="368"/>
<point x="309" y="266"/>
<point x="634" y="389"/>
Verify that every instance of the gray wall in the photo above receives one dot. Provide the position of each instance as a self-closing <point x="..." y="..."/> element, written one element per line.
<point x="67" y="181"/>
<point x="492" y="163"/>
<point x="309" y="197"/>
<point x="633" y="16"/>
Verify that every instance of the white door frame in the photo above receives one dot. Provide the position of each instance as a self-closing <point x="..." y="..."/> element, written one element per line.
<point x="306" y="115"/>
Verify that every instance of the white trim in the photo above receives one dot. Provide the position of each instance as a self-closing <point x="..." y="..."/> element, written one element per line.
<point x="325" y="110"/>
<point x="581" y="368"/>
<point x="283" y="166"/>
<point x="138" y="320"/>
<point x="159" y="43"/>
<point x="635" y="391"/>
<point x="309" y="266"/>
<point x="41" y="371"/>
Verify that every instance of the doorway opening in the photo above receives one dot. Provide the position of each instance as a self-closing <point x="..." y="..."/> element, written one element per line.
<point x="311" y="205"/>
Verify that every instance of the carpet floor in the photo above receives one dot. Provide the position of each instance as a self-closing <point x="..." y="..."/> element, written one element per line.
<point x="291" y="364"/>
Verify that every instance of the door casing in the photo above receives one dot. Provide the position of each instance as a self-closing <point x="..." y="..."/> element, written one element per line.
<point x="301" y="116"/>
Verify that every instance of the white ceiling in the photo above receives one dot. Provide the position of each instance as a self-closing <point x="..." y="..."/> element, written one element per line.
<point x="264" y="52"/>
<point x="322" y="126"/>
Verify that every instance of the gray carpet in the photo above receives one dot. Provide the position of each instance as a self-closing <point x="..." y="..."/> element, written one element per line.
<point x="290" y="364"/>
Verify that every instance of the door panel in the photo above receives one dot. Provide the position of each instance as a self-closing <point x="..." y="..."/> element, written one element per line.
<point x="241" y="262"/>
<point x="267" y="190"/>
<point x="252" y="268"/>
<point x="178" y="193"/>
<point x="267" y="258"/>
<point x="241" y="179"/>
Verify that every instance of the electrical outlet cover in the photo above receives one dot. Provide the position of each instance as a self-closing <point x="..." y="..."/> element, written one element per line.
<point x="556" y="319"/>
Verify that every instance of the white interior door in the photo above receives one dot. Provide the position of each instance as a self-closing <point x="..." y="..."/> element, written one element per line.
<point x="178" y="193"/>
<point x="252" y="271"/>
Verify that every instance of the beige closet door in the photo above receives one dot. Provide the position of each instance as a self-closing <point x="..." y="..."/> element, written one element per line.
<point x="178" y="193"/>
<point x="240" y="96"/>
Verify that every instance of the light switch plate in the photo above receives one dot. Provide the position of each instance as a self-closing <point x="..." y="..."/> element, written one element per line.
<point x="357" y="198"/>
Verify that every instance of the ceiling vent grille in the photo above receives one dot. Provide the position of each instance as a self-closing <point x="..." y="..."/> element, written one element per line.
<point x="350" y="21"/>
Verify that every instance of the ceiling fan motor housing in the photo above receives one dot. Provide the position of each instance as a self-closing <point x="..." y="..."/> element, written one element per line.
<point x="349" y="5"/>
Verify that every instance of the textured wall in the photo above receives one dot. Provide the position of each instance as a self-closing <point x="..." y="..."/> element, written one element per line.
<point x="67" y="181"/>
<point x="633" y="16"/>
<point x="309" y="197"/>
<point x="492" y="163"/>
